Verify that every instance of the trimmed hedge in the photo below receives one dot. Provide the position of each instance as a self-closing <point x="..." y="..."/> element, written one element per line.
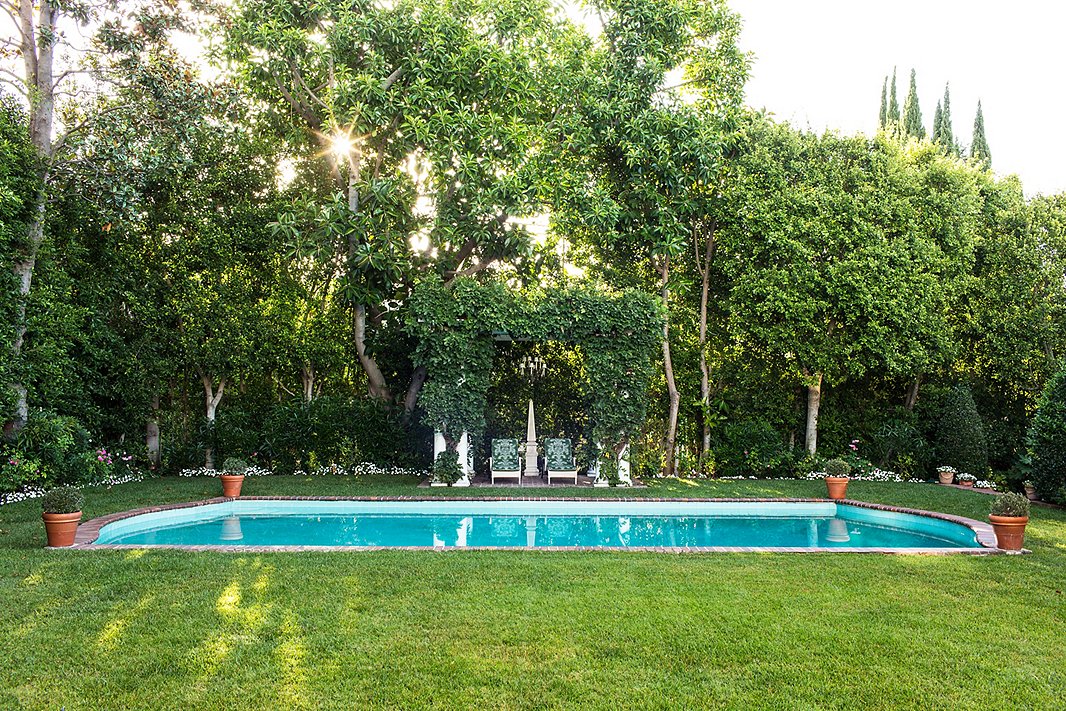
<point x="1047" y="441"/>
<point x="960" y="434"/>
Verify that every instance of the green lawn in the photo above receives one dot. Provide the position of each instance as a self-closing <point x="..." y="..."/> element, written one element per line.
<point x="527" y="629"/>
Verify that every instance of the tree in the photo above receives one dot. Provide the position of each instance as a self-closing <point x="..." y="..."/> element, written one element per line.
<point x="882" y="117"/>
<point x="938" y="120"/>
<point x="979" y="144"/>
<point x="430" y="120"/>
<point x="647" y="169"/>
<point x="893" y="103"/>
<point x="912" y="112"/>
<point x="946" y="136"/>
<point x="851" y="270"/>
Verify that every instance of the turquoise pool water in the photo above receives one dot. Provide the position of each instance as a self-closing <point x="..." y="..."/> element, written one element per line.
<point x="534" y="524"/>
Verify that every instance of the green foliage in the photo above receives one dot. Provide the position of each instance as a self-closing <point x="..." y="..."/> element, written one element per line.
<point x="63" y="499"/>
<point x="1047" y="442"/>
<point x="979" y="143"/>
<point x="837" y="468"/>
<point x="912" y="112"/>
<point x="18" y="471"/>
<point x="1010" y="504"/>
<point x="893" y="103"/>
<point x="753" y="447"/>
<point x="446" y="467"/>
<point x="961" y="434"/>
<point x="62" y="446"/>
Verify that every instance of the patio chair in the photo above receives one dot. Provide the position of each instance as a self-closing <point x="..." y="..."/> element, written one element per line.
<point x="504" y="462"/>
<point x="559" y="460"/>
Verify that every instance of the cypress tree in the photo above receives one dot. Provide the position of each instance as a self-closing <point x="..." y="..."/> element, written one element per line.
<point x="893" y="104"/>
<point x="979" y="144"/>
<point x="938" y="123"/>
<point x="912" y="113"/>
<point x="882" y="118"/>
<point x="947" y="133"/>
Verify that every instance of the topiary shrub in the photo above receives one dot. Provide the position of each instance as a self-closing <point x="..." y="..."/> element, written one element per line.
<point x="235" y="466"/>
<point x="837" y="468"/>
<point x="1010" y="504"/>
<point x="63" y="500"/>
<point x="960" y="434"/>
<point x="1047" y="442"/>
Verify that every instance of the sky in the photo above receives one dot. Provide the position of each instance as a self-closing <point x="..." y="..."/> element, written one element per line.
<point x="820" y="64"/>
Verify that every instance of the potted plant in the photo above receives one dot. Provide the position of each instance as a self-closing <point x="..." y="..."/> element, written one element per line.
<point x="62" y="512"/>
<point x="1009" y="514"/>
<point x="966" y="480"/>
<point x="1030" y="490"/>
<point x="233" y="470"/>
<point x="946" y="474"/>
<point x="836" y="478"/>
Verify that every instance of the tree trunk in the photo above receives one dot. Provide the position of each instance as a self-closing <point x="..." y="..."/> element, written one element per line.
<point x="37" y="63"/>
<point x="375" y="380"/>
<point x="912" y="394"/>
<point x="307" y="381"/>
<point x="212" y="398"/>
<point x="814" y="402"/>
<point x="670" y="443"/>
<point x="705" y="372"/>
<point x="418" y="379"/>
<point x="151" y="433"/>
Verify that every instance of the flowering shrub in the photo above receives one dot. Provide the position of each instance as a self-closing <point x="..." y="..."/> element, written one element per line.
<point x="946" y="469"/>
<point x="19" y="471"/>
<point x="361" y="469"/>
<point x="965" y="477"/>
<point x="984" y="484"/>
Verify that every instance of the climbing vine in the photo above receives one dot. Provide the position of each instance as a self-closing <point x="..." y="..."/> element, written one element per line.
<point x="455" y="326"/>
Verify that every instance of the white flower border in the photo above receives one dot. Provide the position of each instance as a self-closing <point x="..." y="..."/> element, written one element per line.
<point x="35" y="492"/>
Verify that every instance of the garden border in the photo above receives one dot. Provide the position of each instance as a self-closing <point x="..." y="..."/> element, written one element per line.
<point x="89" y="531"/>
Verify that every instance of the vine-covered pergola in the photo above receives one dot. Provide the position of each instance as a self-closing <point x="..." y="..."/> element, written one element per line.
<point x="457" y="325"/>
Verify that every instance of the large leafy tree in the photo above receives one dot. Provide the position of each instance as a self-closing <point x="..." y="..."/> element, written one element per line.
<point x="661" y="83"/>
<point x="848" y="261"/>
<point x="429" y="119"/>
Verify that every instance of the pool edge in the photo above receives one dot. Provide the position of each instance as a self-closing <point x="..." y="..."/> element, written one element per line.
<point x="89" y="531"/>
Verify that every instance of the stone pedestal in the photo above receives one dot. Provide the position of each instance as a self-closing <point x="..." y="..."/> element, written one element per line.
<point x="530" y="466"/>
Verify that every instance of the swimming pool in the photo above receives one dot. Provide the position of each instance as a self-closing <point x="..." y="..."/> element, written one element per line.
<point x="567" y="524"/>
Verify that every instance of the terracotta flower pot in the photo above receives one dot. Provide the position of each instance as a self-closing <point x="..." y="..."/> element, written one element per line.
<point x="968" y="484"/>
<point x="231" y="485"/>
<point x="838" y="486"/>
<point x="946" y="477"/>
<point x="61" y="528"/>
<point x="1010" y="531"/>
<point x="1030" y="493"/>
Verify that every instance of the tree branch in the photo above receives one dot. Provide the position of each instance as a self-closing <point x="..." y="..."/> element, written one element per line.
<point x="391" y="79"/>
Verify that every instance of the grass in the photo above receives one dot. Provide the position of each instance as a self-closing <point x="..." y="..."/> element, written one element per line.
<point x="526" y="629"/>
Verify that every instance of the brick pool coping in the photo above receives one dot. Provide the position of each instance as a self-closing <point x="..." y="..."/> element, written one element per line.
<point x="89" y="531"/>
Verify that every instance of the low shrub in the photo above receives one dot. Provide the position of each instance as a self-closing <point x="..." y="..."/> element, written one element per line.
<point x="235" y="466"/>
<point x="1010" y="504"/>
<point x="19" y="471"/>
<point x="64" y="499"/>
<point x="754" y="448"/>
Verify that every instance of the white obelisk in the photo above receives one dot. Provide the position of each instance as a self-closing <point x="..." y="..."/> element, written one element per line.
<point x="530" y="468"/>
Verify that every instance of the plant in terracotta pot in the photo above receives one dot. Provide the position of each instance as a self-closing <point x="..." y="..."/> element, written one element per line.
<point x="233" y="470"/>
<point x="836" y="478"/>
<point x="1030" y="490"/>
<point x="966" y="479"/>
<point x="1009" y="514"/>
<point x="62" y="512"/>
<point x="946" y="474"/>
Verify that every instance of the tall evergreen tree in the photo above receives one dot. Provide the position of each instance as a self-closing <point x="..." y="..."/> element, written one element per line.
<point x="882" y="118"/>
<point x="893" y="104"/>
<point x="938" y="122"/>
<point x="947" y="133"/>
<point x="979" y="144"/>
<point x="912" y="113"/>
